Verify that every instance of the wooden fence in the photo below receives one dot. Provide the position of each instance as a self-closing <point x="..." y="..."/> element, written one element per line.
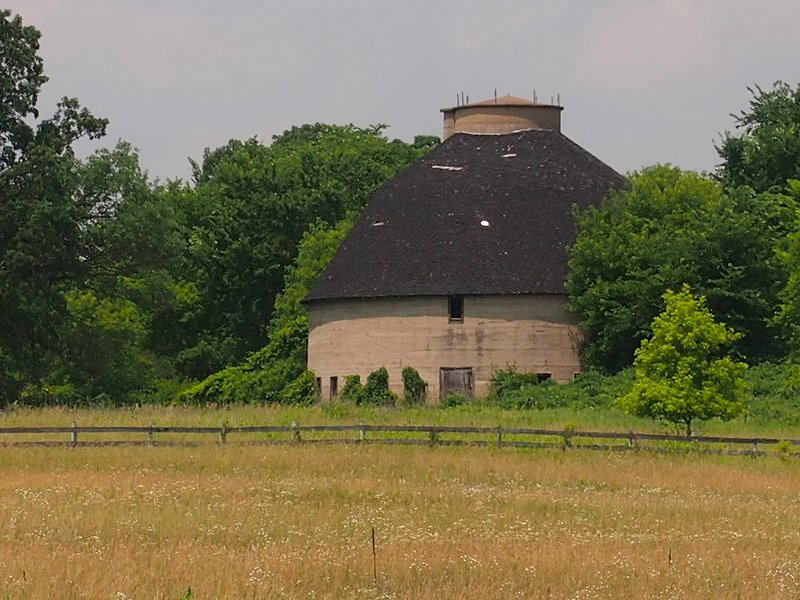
<point x="431" y="435"/>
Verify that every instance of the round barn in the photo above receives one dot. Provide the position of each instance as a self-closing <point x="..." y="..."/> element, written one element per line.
<point x="456" y="267"/>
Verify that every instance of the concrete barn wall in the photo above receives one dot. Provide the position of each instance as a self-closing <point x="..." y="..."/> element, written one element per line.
<point x="500" y="119"/>
<point x="355" y="337"/>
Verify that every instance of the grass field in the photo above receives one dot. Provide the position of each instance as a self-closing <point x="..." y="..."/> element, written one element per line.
<point x="296" y="522"/>
<point x="478" y="414"/>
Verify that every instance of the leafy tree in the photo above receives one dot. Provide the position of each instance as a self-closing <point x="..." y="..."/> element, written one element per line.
<point x="767" y="152"/>
<point x="111" y="341"/>
<point x="277" y="372"/>
<point x="248" y="211"/>
<point x="682" y="371"/>
<point x="41" y="224"/>
<point x="787" y="318"/>
<point x="671" y="227"/>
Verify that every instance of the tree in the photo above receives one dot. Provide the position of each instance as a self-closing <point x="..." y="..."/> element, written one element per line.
<point x="682" y="372"/>
<point x="277" y="372"/>
<point x="787" y="319"/>
<point x="247" y="213"/>
<point x="41" y="243"/>
<point x="671" y="227"/>
<point x="767" y="152"/>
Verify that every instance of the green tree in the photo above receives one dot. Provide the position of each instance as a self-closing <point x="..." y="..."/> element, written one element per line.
<point x="277" y="372"/>
<point x="671" y="227"/>
<point x="682" y="371"/>
<point x="767" y="151"/>
<point x="787" y="319"/>
<point x="41" y="224"/>
<point x="247" y="213"/>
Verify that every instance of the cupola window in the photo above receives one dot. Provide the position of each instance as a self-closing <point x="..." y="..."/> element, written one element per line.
<point x="455" y="308"/>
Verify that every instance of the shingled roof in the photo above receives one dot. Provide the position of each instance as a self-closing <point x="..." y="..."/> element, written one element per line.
<point x="479" y="214"/>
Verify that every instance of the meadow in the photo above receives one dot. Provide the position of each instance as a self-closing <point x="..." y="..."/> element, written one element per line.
<point x="296" y="521"/>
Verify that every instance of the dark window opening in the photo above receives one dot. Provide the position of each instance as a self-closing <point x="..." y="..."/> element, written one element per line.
<point x="334" y="387"/>
<point x="540" y="377"/>
<point x="455" y="308"/>
<point x="318" y="385"/>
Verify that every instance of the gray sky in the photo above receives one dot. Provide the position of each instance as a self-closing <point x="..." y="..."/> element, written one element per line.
<point x="642" y="81"/>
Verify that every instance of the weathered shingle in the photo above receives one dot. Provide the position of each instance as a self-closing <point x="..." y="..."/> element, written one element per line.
<point x="479" y="214"/>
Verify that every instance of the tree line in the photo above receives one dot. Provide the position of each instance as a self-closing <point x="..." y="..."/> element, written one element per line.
<point x="118" y="289"/>
<point x="731" y="235"/>
<point x="115" y="288"/>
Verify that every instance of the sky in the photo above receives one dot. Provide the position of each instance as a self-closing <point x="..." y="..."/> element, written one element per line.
<point x="641" y="81"/>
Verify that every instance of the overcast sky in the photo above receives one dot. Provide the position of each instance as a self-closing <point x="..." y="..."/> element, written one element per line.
<point x="642" y="81"/>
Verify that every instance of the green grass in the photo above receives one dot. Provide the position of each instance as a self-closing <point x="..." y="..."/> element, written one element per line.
<point x="480" y="414"/>
<point x="587" y="404"/>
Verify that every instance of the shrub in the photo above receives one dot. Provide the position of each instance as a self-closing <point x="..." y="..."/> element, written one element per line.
<point x="353" y="391"/>
<point x="774" y="392"/>
<point x="514" y="390"/>
<point x="415" y="389"/>
<point x="376" y="390"/>
<point x="508" y="380"/>
<point x="302" y="390"/>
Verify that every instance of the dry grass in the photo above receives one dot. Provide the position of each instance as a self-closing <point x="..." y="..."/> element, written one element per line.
<point x="295" y="522"/>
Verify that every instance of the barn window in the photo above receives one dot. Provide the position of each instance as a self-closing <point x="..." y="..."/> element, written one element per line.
<point x="334" y="387"/>
<point x="455" y="308"/>
<point x="318" y="387"/>
<point x="540" y="377"/>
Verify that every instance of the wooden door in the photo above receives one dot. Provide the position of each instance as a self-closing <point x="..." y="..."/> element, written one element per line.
<point x="455" y="380"/>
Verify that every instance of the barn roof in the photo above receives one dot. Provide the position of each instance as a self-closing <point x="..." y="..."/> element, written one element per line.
<point x="479" y="214"/>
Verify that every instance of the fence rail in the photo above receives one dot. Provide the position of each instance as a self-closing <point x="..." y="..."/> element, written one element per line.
<point x="362" y="433"/>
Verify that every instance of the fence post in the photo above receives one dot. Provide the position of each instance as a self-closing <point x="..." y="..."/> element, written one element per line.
<point x="74" y="434"/>
<point x="499" y="436"/>
<point x="295" y="433"/>
<point x="432" y="441"/>
<point x="151" y="435"/>
<point x="567" y="434"/>
<point x="362" y="434"/>
<point x="223" y="432"/>
<point x="633" y="441"/>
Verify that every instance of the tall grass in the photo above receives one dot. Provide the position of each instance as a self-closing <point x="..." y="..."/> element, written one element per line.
<point x="478" y="413"/>
<point x="266" y="522"/>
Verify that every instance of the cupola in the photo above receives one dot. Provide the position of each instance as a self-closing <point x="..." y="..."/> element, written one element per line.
<point x="501" y="115"/>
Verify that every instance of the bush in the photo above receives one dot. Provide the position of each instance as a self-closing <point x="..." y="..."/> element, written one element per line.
<point x="513" y="390"/>
<point x="375" y="392"/>
<point x="774" y="392"/>
<point x="302" y="390"/>
<point x="506" y="381"/>
<point x="353" y="391"/>
<point x="415" y="389"/>
<point x="44" y="394"/>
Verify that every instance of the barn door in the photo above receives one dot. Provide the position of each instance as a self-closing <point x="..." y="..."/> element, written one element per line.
<point x="457" y="380"/>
